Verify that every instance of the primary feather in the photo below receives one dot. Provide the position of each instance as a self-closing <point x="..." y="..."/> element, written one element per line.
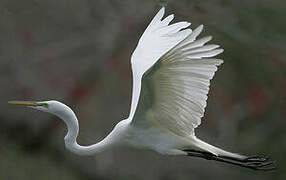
<point x="176" y="76"/>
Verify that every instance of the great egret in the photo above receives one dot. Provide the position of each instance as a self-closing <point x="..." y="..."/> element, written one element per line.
<point x="172" y="70"/>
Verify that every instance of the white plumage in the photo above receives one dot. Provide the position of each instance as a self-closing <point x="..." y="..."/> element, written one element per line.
<point x="172" y="70"/>
<point x="171" y="77"/>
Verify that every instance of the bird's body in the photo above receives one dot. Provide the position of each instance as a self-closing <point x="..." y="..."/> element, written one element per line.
<point x="172" y="70"/>
<point x="150" y="137"/>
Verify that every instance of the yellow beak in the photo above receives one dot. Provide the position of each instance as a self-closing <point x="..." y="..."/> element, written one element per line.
<point x="24" y="103"/>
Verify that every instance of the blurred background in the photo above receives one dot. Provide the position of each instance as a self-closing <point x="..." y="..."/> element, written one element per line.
<point x="78" y="52"/>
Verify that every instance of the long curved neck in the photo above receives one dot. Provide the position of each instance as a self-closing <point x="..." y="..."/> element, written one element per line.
<point x="71" y="144"/>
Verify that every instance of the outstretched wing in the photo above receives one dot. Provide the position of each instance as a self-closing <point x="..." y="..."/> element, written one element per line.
<point x="174" y="86"/>
<point x="158" y="38"/>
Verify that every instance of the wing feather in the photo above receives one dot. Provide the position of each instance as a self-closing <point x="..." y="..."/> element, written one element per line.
<point x="167" y="20"/>
<point x="158" y="38"/>
<point x="171" y="76"/>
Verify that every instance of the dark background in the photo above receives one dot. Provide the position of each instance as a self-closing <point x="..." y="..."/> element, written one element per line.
<point x="78" y="52"/>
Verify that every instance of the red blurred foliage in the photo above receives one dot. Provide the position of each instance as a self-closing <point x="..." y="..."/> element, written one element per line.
<point x="258" y="101"/>
<point x="127" y="23"/>
<point x="79" y="93"/>
<point x="48" y="58"/>
<point x="223" y="98"/>
<point x="25" y="36"/>
<point x="118" y="65"/>
<point x="14" y="11"/>
<point x="277" y="60"/>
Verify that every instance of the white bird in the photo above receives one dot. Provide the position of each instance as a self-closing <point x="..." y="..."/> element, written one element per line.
<point x="172" y="70"/>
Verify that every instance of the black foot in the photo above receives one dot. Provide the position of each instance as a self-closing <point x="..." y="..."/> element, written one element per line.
<point x="252" y="162"/>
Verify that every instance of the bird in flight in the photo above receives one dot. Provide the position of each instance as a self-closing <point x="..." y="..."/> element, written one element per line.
<point x="172" y="70"/>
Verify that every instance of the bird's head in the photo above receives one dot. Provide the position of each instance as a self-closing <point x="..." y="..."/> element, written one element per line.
<point x="54" y="107"/>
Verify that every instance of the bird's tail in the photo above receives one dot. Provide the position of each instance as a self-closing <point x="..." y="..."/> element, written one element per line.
<point x="201" y="145"/>
<point x="210" y="152"/>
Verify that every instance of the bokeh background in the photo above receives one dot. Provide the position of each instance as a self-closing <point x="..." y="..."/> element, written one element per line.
<point x="78" y="52"/>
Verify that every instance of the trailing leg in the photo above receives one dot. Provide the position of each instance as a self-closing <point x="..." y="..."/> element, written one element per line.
<point x="252" y="162"/>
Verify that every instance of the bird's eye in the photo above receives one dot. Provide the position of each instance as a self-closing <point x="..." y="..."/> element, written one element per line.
<point x="46" y="105"/>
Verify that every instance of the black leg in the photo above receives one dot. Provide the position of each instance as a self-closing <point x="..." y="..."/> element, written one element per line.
<point x="253" y="162"/>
